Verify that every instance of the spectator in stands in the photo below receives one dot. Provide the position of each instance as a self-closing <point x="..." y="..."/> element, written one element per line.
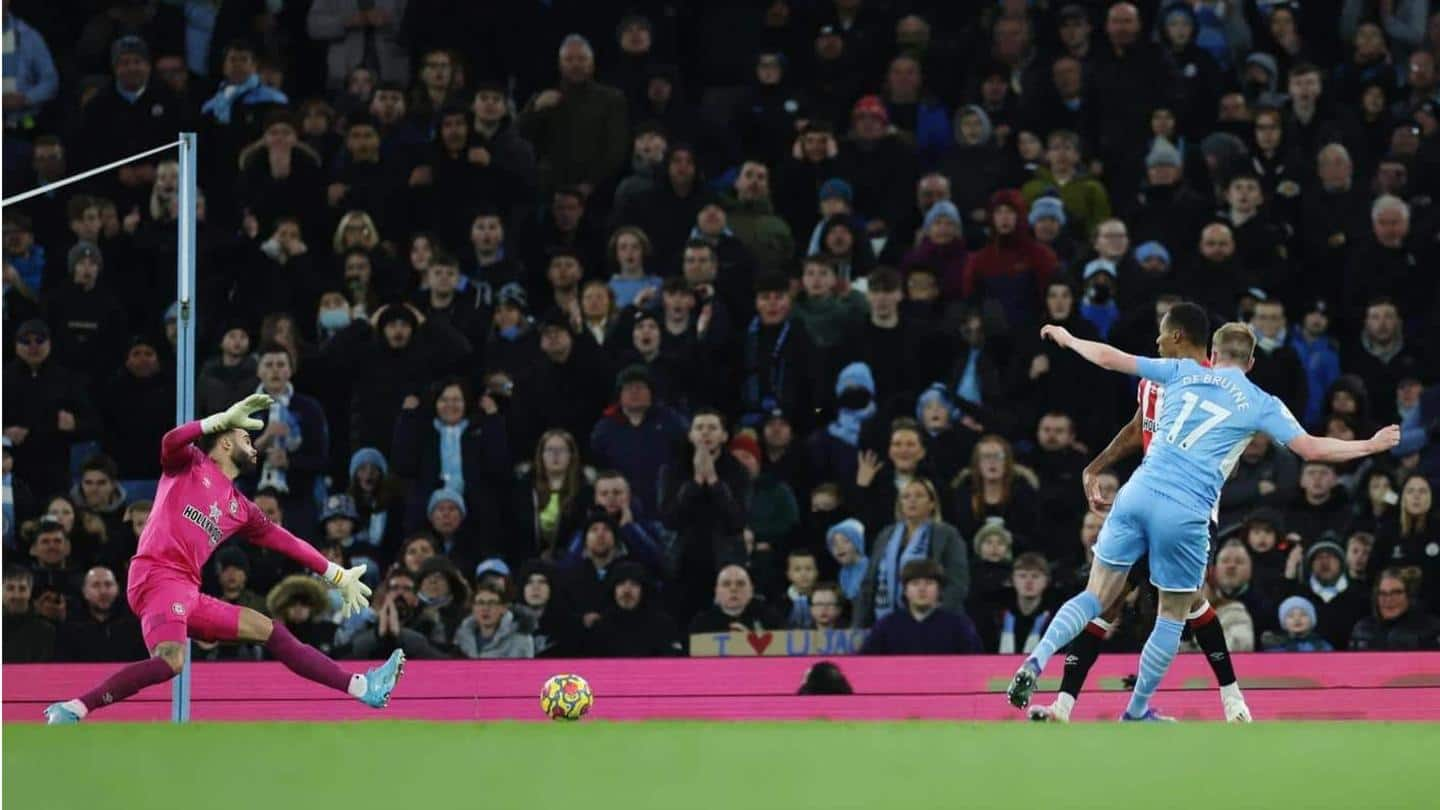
<point x="636" y="436"/>
<point x="1301" y="629"/>
<point x="1398" y="622"/>
<point x="1239" y="606"/>
<point x="130" y="115"/>
<point x="751" y="216"/>
<point x="779" y="357"/>
<point x="394" y="620"/>
<point x="900" y="352"/>
<point x="774" y="514"/>
<point x="1319" y="357"/>
<point x="913" y="112"/>
<point x="1382" y="265"/>
<point x="579" y="128"/>
<point x="878" y="161"/>
<point x="139" y="396"/>
<point x="826" y="305"/>
<point x="1018" y="625"/>
<point x="461" y="451"/>
<point x="300" y="603"/>
<point x="555" y="631"/>
<point x="445" y="596"/>
<point x="1324" y="581"/>
<point x="632" y="624"/>
<point x="357" y="32"/>
<point x="548" y="500"/>
<point x="924" y="626"/>
<point x="46" y="409"/>
<point x="942" y="246"/>
<point x="974" y="166"/>
<point x="1265" y="476"/>
<point x="669" y="210"/>
<point x="88" y="318"/>
<point x="491" y="630"/>
<point x="919" y="533"/>
<point x="1408" y="540"/>
<point x="1277" y="368"/>
<point x="801" y="572"/>
<point x="994" y="486"/>
<point x="32" y="81"/>
<point x="1012" y="269"/>
<point x="833" y="448"/>
<point x="99" y="492"/>
<point x="295" y="443"/>
<point x="828" y="608"/>
<point x="1085" y="199"/>
<point x="19" y="501"/>
<point x="229" y="375"/>
<point x="1380" y="357"/>
<point x="704" y="498"/>
<point x="28" y="637"/>
<point x="736" y="608"/>
<point x="874" y="498"/>
<point x="53" y="555"/>
<point x="602" y="544"/>
<point x="493" y="130"/>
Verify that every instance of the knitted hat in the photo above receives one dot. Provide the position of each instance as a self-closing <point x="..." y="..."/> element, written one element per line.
<point x="494" y="565"/>
<point x="1097" y="266"/>
<point x="128" y="44"/>
<point x="935" y="393"/>
<point x="83" y="250"/>
<point x="513" y="294"/>
<point x="1163" y="153"/>
<point x="339" y="506"/>
<point x="441" y="495"/>
<point x="1152" y="250"/>
<point x="1327" y="543"/>
<point x="870" y="105"/>
<point x="855" y="375"/>
<point x="636" y="373"/>
<point x="1298" y="602"/>
<point x="1047" y="207"/>
<point x="836" y="187"/>
<point x="1265" y="61"/>
<point x="993" y="528"/>
<point x="943" y="208"/>
<point x="745" y="442"/>
<point x="368" y="455"/>
<point x="852" y="530"/>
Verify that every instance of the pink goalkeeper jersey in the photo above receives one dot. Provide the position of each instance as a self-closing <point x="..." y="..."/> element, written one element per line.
<point x="197" y="507"/>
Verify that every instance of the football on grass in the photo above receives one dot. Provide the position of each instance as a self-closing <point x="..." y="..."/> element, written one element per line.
<point x="566" y="697"/>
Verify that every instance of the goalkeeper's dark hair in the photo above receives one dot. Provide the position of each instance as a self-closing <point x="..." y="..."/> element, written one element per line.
<point x="1192" y="321"/>
<point x="207" y="441"/>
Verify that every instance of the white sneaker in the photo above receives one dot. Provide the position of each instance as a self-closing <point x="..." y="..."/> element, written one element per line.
<point x="1057" y="712"/>
<point x="1235" y="709"/>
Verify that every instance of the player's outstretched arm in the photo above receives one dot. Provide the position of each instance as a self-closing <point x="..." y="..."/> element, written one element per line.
<point x="262" y="532"/>
<point x="1101" y="354"/>
<point x="1339" y="451"/>
<point x="1125" y="444"/>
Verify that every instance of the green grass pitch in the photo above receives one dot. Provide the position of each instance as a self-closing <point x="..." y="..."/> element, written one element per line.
<point x="736" y="766"/>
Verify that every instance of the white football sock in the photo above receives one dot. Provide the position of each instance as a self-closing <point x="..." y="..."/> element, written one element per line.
<point x="1231" y="691"/>
<point x="77" y="707"/>
<point x="358" y="686"/>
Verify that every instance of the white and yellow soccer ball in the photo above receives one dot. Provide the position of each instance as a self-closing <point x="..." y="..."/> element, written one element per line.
<point x="566" y="697"/>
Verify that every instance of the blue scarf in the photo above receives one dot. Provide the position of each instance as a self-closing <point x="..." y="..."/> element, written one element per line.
<point x="9" y="516"/>
<point x="846" y="426"/>
<point x="889" y="596"/>
<point x="753" y="388"/>
<point x="969" y="386"/>
<point x="852" y="577"/>
<point x="799" y="617"/>
<point x="222" y="104"/>
<point x="452" y="466"/>
<point x="1007" y="633"/>
<point x="280" y="411"/>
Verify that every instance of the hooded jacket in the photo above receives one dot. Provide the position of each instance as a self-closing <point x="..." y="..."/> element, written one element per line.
<point x="765" y="234"/>
<point x="1013" y="269"/>
<point x="509" y="641"/>
<point x="644" y="631"/>
<point x="975" y="170"/>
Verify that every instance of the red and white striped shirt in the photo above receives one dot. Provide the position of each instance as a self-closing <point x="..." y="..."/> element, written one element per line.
<point x="1151" y="397"/>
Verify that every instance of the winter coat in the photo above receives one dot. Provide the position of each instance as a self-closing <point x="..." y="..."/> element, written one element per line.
<point x="758" y="615"/>
<point x="88" y="329"/>
<point x="638" y="451"/>
<point x="585" y="138"/>
<point x="346" y="47"/>
<point x="708" y="520"/>
<point x="941" y="632"/>
<point x="485" y="461"/>
<point x="222" y="386"/>
<point x="1320" y="362"/>
<point x="642" y="632"/>
<point x="33" y="399"/>
<point x="509" y="640"/>
<point x="85" y="638"/>
<point x="765" y="234"/>
<point x="1013" y="270"/>
<point x="947" y="548"/>
<point x="1086" y="201"/>
<point x="883" y="173"/>
<point x="1412" y="631"/>
<point x="948" y="261"/>
<point x="29" y="639"/>
<point x="142" y="410"/>
<point x="928" y="123"/>
<point x="829" y="320"/>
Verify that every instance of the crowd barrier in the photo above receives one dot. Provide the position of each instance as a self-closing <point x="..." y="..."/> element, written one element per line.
<point x="1294" y="686"/>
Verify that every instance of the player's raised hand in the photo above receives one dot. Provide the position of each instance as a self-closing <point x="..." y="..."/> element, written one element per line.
<point x="238" y="415"/>
<point x="1059" y="334"/>
<point x="354" y="594"/>
<point x="1386" y="438"/>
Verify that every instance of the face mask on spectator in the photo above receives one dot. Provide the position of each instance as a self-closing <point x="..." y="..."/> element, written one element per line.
<point x="334" y="318"/>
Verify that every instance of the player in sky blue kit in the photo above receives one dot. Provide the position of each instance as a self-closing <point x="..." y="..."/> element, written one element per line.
<point x="1207" y="418"/>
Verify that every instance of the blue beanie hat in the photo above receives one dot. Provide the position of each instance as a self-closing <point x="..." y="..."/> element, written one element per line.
<point x="935" y="393"/>
<point x="441" y="495"/>
<point x="1152" y="250"/>
<point x="835" y="187"/>
<point x="1047" y="207"/>
<point x="368" y="455"/>
<point x="1298" y="602"/>
<point x="943" y="208"/>
<point x="855" y="375"/>
<point x="852" y="530"/>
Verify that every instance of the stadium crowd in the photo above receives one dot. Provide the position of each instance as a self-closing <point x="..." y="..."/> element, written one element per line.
<point x="592" y="325"/>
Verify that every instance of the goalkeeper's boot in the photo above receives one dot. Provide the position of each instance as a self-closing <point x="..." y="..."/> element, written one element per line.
<point x="380" y="681"/>
<point x="1023" y="684"/>
<point x="57" y="715"/>
<point x="1150" y="716"/>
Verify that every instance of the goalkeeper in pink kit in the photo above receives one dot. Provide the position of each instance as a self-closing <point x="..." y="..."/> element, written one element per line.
<point x="196" y="507"/>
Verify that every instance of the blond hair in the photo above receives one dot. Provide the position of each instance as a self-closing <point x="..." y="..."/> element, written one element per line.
<point x="1234" y="342"/>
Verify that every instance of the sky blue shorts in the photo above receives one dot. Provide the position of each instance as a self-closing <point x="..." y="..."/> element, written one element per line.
<point x="1147" y="522"/>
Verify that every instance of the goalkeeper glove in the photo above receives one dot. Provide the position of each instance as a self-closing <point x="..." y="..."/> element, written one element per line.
<point x="354" y="594"/>
<point x="238" y="415"/>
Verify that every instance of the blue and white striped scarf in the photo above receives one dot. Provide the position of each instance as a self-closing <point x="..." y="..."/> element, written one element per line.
<point x="889" y="596"/>
<point x="452" y="464"/>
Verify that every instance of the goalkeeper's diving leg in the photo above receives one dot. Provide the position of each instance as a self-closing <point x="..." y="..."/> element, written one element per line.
<point x="214" y="620"/>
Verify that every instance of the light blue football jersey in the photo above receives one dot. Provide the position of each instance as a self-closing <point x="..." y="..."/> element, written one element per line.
<point x="1206" y="418"/>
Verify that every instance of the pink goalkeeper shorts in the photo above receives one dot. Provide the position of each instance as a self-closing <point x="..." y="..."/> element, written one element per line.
<point x="170" y="608"/>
